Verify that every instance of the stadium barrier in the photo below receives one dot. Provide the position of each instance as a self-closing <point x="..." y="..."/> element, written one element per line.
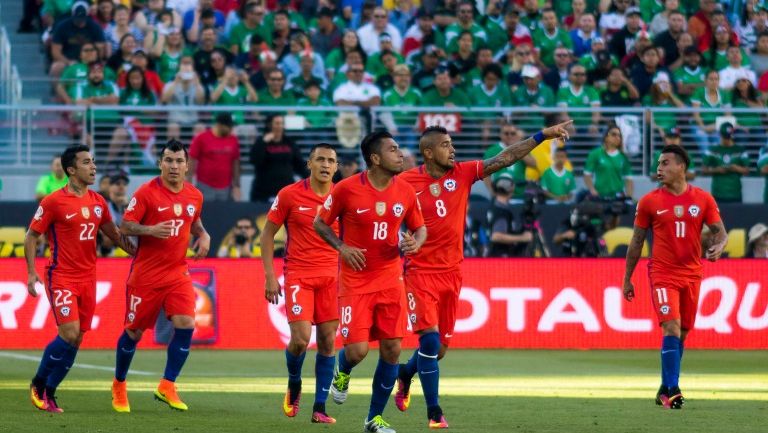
<point x="505" y="303"/>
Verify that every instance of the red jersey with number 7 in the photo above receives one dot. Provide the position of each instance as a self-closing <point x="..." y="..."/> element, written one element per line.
<point x="444" y="207"/>
<point x="676" y="222"/>
<point x="307" y="255"/>
<point x="71" y="224"/>
<point x="370" y="219"/>
<point x="162" y="262"/>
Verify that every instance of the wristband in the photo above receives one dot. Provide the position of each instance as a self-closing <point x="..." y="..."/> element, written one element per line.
<point x="538" y="137"/>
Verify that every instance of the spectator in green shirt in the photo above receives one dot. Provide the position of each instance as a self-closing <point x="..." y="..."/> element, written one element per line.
<point x="402" y="94"/>
<point x="671" y="138"/>
<point x="51" y="182"/>
<point x="490" y="93"/>
<point x="550" y="36"/>
<point x="726" y="163"/>
<point x="275" y="94"/>
<point x="510" y="134"/>
<point x="234" y="89"/>
<point x="661" y="95"/>
<point x="77" y="73"/>
<point x="607" y="170"/>
<point x="532" y="94"/>
<point x="443" y="94"/>
<point x="762" y="168"/>
<point x="557" y="181"/>
<point x="709" y="96"/>
<point x="691" y="76"/>
<point x="577" y="94"/>
<point x="312" y="97"/>
<point x="253" y="23"/>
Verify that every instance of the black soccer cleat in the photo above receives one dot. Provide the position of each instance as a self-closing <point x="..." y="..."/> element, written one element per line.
<point x="675" y="399"/>
<point x="661" y="395"/>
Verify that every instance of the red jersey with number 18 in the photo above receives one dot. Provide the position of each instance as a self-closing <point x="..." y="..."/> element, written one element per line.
<point x="444" y="206"/>
<point x="71" y="224"/>
<point x="161" y="262"/>
<point x="307" y="255"/>
<point x="370" y="219"/>
<point x="676" y="222"/>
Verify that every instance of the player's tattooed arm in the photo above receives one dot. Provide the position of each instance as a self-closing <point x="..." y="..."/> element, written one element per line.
<point x="271" y="286"/>
<point x="30" y="251"/>
<point x="354" y="257"/>
<point x="717" y="242"/>
<point x="111" y="231"/>
<point x="161" y="230"/>
<point x="633" y="255"/>
<point x="203" y="242"/>
<point x="517" y="151"/>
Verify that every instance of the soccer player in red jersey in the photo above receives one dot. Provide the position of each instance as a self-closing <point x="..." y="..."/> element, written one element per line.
<point x="675" y="213"/>
<point x="71" y="218"/>
<point x="163" y="213"/>
<point x="310" y="272"/>
<point x="371" y="207"/>
<point x="433" y="275"/>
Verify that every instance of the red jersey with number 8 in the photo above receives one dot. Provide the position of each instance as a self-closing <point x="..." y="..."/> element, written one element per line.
<point x="370" y="219"/>
<point x="676" y="222"/>
<point x="162" y="262"/>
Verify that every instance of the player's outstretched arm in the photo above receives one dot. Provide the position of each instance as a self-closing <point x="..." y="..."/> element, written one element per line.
<point x="111" y="231"/>
<point x="271" y="286"/>
<point x="203" y="242"/>
<point x="160" y="230"/>
<point x="354" y="257"/>
<point x="633" y="255"/>
<point x="517" y="151"/>
<point x="717" y="241"/>
<point x="30" y="251"/>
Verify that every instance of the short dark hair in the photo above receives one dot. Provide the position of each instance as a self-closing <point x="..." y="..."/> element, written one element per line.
<point x="372" y="144"/>
<point x="69" y="156"/>
<point x="173" y="145"/>
<point x="428" y="132"/>
<point x="321" y="146"/>
<point x="680" y="154"/>
<point x="493" y="68"/>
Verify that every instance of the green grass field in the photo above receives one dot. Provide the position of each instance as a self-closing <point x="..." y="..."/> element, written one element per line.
<point x="482" y="391"/>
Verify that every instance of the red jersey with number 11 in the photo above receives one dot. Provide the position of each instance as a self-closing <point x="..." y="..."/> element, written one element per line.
<point x="162" y="262"/>
<point x="370" y="219"/>
<point x="676" y="222"/>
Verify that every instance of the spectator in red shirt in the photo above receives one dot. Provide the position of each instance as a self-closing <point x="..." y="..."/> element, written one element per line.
<point x="215" y="161"/>
<point x="141" y="61"/>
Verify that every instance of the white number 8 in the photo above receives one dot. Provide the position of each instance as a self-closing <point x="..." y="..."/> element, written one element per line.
<point x="441" y="210"/>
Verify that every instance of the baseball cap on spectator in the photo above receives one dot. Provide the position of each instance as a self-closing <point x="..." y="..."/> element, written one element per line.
<point x="634" y="10"/>
<point x="673" y="132"/>
<point x="504" y="184"/>
<point x="598" y="40"/>
<point x="267" y="54"/>
<point x="385" y="37"/>
<point x="79" y="9"/>
<point x="529" y="71"/>
<point x="325" y="12"/>
<point x="661" y="77"/>
<point x="726" y="130"/>
<point x="442" y="69"/>
<point x="756" y="231"/>
<point x="423" y="13"/>
<point x="95" y="65"/>
<point x="117" y="177"/>
<point x="431" y="50"/>
<point x="224" y="119"/>
<point x="603" y="56"/>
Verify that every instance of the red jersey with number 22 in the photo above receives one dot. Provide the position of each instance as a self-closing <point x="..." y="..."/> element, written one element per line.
<point x="370" y="219"/>
<point x="676" y="222"/>
<point x="307" y="254"/>
<point x="71" y="224"/>
<point x="162" y="262"/>
<point x="444" y="206"/>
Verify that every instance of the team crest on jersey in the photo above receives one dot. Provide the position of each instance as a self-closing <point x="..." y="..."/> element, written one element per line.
<point x="450" y="185"/>
<point x="86" y="212"/>
<point x="274" y="203"/>
<point x="412" y="317"/>
<point x="381" y="208"/>
<point x="131" y="316"/>
<point x="39" y="213"/>
<point x="326" y="205"/>
<point x="190" y="210"/>
<point x="679" y="211"/>
<point x="65" y="311"/>
<point x="664" y="309"/>
<point x="296" y="309"/>
<point x="694" y="210"/>
<point x="398" y="209"/>
<point x="177" y="209"/>
<point x="97" y="211"/>
<point x="344" y="332"/>
<point x="434" y="189"/>
<point x="131" y="204"/>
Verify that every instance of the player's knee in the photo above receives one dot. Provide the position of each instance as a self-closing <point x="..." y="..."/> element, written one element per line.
<point x="671" y="329"/>
<point x="71" y="335"/>
<point x="441" y="353"/>
<point x="390" y="351"/>
<point x="299" y="343"/>
<point x="183" y="322"/>
<point x="355" y="354"/>
<point x="134" y="334"/>
<point x="325" y="344"/>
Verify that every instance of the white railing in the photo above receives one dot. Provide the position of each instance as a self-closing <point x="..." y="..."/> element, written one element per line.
<point x="6" y="69"/>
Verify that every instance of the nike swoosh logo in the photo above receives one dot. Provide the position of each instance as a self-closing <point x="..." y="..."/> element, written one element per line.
<point x="428" y="372"/>
<point x="419" y="193"/>
<point x="667" y="351"/>
<point x="127" y="351"/>
<point x="160" y="209"/>
<point x="72" y="215"/>
<point x="659" y="212"/>
<point x="387" y="387"/>
<point x="55" y="358"/>
<point x="362" y="210"/>
<point x="448" y="335"/>
<point x="325" y="389"/>
<point x="183" y="349"/>
<point x="302" y="208"/>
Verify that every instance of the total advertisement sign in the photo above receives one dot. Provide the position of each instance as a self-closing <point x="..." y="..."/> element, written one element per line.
<point x="505" y="303"/>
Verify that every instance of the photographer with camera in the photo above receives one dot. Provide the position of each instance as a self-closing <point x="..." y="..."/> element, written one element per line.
<point x="509" y="238"/>
<point x="580" y="235"/>
<point x="239" y="242"/>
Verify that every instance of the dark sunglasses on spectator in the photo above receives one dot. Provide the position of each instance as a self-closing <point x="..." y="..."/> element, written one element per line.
<point x="357" y="71"/>
<point x="578" y="74"/>
<point x="244" y="227"/>
<point x="523" y="53"/>
<point x="511" y="132"/>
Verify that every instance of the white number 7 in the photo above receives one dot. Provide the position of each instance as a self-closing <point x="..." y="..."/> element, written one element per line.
<point x="296" y="289"/>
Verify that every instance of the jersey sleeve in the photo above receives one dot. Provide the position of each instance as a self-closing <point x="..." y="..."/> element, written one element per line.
<point x="413" y="217"/>
<point x="199" y="214"/>
<point x="137" y="207"/>
<point x="712" y="212"/>
<point x="278" y="212"/>
<point x="44" y="216"/>
<point x="333" y="206"/>
<point x="642" y="216"/>
<point x="474" y="170"/>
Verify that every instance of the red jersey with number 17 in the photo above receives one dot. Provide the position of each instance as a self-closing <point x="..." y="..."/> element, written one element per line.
<point x="370" y="219"/>
<point x="676" y="222"/>
<point x="71" y="224"/>
<point x="162" y="262"/>
<point x="444" y="206"/>
<point x="307" y="255"/>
